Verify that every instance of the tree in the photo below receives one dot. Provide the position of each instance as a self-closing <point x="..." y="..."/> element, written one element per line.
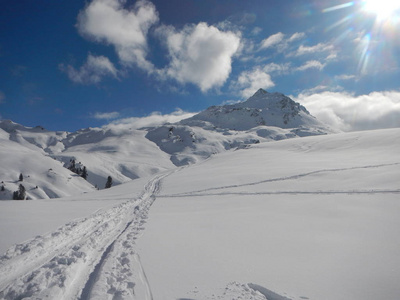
<point x="84" y="173"/>
<point x="72" y="165"/>
<point x="21" y="177"/>
<point x="109" y="182"/>
<point x="20" y="194"/>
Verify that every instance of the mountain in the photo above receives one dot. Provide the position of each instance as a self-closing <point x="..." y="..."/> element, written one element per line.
<point x="263" y="117"/>
<point x="123" y="153"/>
<point x="43" y="157"/>
<point x="306" y="218"/>
<point x="262" y="109"/>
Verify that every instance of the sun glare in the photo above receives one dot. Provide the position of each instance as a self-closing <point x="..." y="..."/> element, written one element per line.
<point x="383" y="9"/>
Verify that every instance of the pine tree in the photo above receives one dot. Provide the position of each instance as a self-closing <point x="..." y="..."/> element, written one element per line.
<point x="109" y="182"/>
<point x="72" y="165"/>
<point x="21" y="177"/>
<point x="84" y="173"/>
<point x="20" y="194"/>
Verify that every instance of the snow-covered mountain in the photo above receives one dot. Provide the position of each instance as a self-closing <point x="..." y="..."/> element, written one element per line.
<point x="263" y="117"/>
<point x="290" y="219"/>
<point x="307" y="218"/>
<point x="43" y="156"/>
<point x="261" y="109"/>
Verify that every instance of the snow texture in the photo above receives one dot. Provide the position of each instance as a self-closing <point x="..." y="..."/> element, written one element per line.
<point x="245" y="212"/>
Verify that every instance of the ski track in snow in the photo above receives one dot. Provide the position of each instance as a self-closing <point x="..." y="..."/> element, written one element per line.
<point x="92" y="258"/>
<point x="208" y="192"/>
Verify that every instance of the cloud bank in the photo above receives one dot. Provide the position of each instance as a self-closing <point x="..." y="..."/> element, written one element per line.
<point x="154" y="119"/>
<point x="351" y="113"/>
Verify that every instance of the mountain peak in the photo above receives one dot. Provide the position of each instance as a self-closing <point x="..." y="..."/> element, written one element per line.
<point x="261" y="109"/>
<point x="260" y="92"/>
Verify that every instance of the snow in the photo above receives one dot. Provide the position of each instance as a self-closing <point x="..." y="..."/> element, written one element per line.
<point x="315" y="217"/>
<point x="307" y="218"/>
<point x="126" y="154"/>
<point x="256" y="200"/>
<point x="42" y="157"/>
<point x="263" y="108"/>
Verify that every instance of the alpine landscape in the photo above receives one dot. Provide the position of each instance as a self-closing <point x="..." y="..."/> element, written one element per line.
<point x="200" y="150"/>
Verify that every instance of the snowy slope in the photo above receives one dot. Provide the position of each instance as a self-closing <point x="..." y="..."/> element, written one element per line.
<point x="315" y="217"/>
<point x="311" y="218"/>
<point x="261" y="109"/>
<point x="261" y="118"/>
<point x="126" y="153"/>
<point x="44" y="177"/>
<point x="123" y="155"/>
<point x="43" y="157"/>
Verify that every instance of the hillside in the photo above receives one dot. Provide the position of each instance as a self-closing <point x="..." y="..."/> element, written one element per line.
<point x="126" y="153"/>
<point x="292" y="219"/>
<point x="262" y="118"/>
<point x="301" y="217"/>
<point x="43" y="157"/>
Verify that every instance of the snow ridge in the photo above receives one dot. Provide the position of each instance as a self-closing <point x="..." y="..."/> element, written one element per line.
<point x="126" y="154"/>
<point x="262" y="109"/>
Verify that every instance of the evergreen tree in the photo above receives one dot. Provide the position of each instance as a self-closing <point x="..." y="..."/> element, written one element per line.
<point x="20" y="194"/>
<point x="84" y="173"/>
<point x="21" y="177"/>
<point x="109" y="182"/>
<point x="72" y="165"/>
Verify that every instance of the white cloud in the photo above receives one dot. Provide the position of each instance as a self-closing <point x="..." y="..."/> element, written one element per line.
<point x="279" y="68"/>
<point x="200" y="54"/>
<point x="256" y="30"/>
<point x="92" y="71"/>
<point x="345" y="77"/>
<point x="349" y="113"/>
<point x="154" y="119"/>
<point x="296" y="36"/>
<point x="126" y="29"/>
<point x="321" y="47"/>
<point x="250" y="81"/>
<point x="280" y="41"/>
<point x="311" y="64"/>
<point x="272" y="40"/>
<point x="322" y="88"/>
<point x="106" y="116"/>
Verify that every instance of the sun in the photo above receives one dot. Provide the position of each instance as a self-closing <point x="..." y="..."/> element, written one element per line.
<point x="383" y="9"/>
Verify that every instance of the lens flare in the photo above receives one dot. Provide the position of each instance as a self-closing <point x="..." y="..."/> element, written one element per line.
<point x="383" y="9"/>
<point x="376" y="23"/>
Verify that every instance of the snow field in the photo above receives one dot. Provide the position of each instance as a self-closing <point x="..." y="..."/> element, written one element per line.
<point x="315" y="217"/>
<point x="64" y="264"/>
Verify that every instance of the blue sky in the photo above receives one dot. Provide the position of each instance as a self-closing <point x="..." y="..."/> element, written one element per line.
<point x="67" y="65"/>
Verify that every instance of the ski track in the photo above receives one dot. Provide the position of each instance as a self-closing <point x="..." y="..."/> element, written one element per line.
<point x="208" y="192"/>
<point x="85" y="259"/>
<point x="349" y="192"/>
